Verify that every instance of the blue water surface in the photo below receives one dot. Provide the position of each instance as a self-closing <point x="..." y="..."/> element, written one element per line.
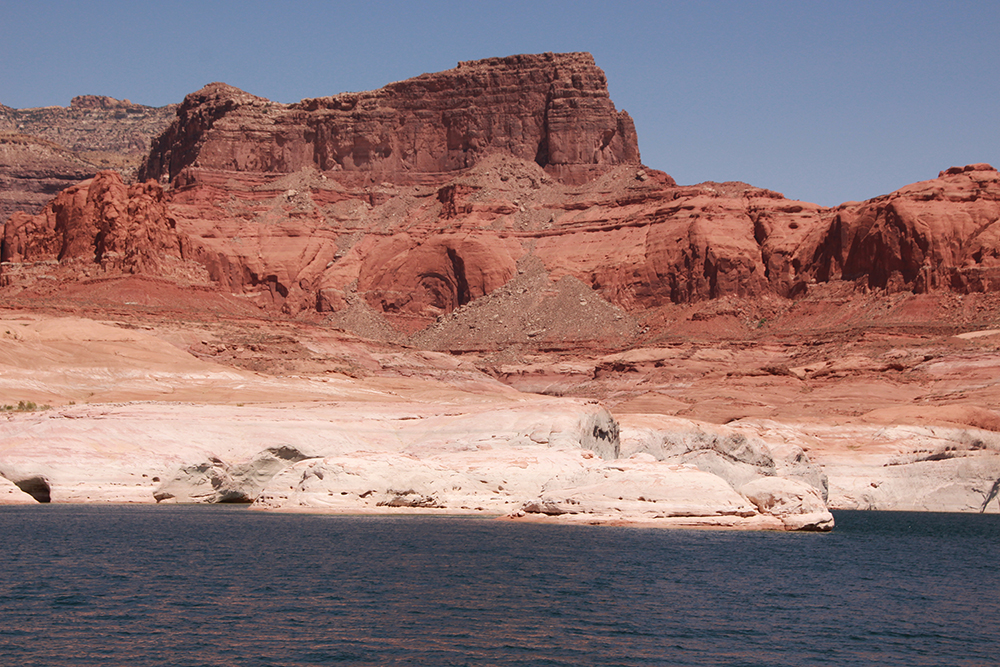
<point x="220" y="585"/>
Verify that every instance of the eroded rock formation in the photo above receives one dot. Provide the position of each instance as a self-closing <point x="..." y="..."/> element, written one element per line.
<point x="102" y="221"/>
<point x="45" y="150"/>
<point x="413" y="202"/>
<point x="942" y="234"/>
<point x="497" y="211"/>
<point x="11" y="494"/>
<point x="552" y="109"/>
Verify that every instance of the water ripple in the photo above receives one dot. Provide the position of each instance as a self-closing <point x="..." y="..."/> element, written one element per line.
<point x="222" y="586"/>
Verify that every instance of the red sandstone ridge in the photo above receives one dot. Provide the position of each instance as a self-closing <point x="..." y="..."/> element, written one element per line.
<point x="415" y="200"/>
<point x="552" y="109"/>
<point x="102" y="102"/>
<point x="942" y="234"/>
<point x="307" y="243"/>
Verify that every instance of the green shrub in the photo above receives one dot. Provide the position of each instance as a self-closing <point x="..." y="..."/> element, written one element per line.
<point x="23" y="406"/>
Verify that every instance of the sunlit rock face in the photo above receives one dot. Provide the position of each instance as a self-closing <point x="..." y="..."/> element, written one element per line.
<point x="495" y="220"/>
<point x="552" y="109"/>
<point x="421" y="198"/>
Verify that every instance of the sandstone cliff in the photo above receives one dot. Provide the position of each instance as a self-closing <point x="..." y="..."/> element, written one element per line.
<point x="413" y="201"/>
<point x="942" y="234"/>
<point x="552" y="109"/>
<point x="306" y="243"/>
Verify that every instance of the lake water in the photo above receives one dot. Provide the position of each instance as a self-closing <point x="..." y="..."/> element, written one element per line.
<point x="117" y="585"/>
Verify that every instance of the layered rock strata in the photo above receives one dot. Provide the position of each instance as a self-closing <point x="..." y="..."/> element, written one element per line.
<point x="942" y="234"/>
<point x="45" y="150"/>
<point x="416" y="201"/>
<point x="306" y="243"/>
<point x="92" y="124"/>
<point x="904" y="436"/>
<point x="34" y="170"/>
<point x="552" y="109"/>
<point x="457" y="225"/>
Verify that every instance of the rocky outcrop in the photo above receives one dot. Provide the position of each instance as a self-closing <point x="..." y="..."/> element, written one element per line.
<point x="215" y="481"/>
<point x="121" y="228"/>
<point x="48" y="149"/>
<point x="942" y="234"/>
<point x="398" y="443"/>
<point x="12" y="494"/>
<point x="641" y="488"/>
<point x="720" y="450"/>
<point x="937" y="468"/>
<point x="523" y="483"/>
<point x="552" y="109"/>
<point x="685" y="244"/>
<point x="798" y="505"/>
<point x="897" y="422"/>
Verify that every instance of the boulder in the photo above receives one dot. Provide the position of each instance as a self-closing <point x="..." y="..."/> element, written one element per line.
<point x="798" y="505"/>
<point x="206" y="482"/>
<point x="214" y="481"/>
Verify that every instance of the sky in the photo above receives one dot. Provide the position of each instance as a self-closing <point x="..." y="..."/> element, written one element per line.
<point x="822" y="101"/>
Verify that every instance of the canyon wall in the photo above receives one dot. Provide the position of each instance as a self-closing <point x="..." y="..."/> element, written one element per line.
<point x="498" y="211"/>
<point x="417" y="199"/>
<point x="553" y="109"/>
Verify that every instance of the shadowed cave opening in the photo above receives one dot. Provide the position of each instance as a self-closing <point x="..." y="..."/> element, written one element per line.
<point x="36" y="487"/>
<point x="542" y="154"/>
<point x="463" y="296"/>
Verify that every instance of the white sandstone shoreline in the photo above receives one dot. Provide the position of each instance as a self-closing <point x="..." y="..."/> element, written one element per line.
<point x="163" y="425"/>
<point x="486" y="459"/>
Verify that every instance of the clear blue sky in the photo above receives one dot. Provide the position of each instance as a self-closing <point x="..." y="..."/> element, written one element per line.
<point x="823" y="101"/>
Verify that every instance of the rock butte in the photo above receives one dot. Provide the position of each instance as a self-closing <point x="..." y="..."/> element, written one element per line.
<point x="463" y="292"/>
